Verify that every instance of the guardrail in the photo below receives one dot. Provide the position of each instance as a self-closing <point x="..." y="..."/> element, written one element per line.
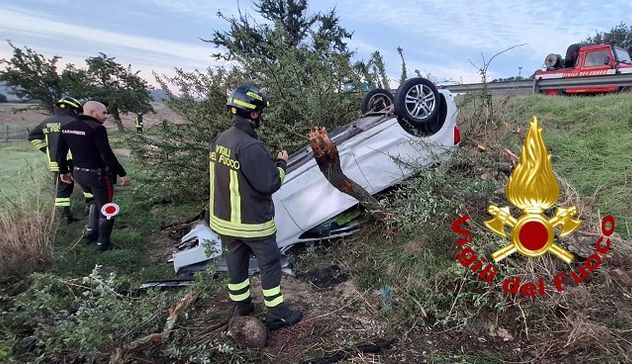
<point x="538" y="85"/>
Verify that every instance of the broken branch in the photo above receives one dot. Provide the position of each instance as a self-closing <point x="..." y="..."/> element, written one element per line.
<point x="120" y="353"/>
<point x="328" y="159"/>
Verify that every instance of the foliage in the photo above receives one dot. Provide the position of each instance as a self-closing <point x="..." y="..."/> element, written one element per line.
<point x="404" y="76"/>
<point x="84" y="316"/>
<point x="302" y="62"/>
<point x="34" y="78"/>
<point x="620" y="35"/>
<point x="175" y="155"/>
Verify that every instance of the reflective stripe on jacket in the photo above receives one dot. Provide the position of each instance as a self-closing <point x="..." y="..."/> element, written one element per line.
<point x="45" y="137"/>
<point x="243" y="178"/>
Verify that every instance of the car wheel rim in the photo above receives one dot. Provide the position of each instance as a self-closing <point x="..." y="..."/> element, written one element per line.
<point x="378" y="102"/>
<point x="420" y="101"/>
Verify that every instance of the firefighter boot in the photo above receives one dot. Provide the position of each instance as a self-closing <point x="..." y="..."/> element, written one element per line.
<point x="67" y="215"/>
<point x="105" y="230"/>
<point x="282" y="315"/>
<point x="244" y="308"/>
<point x="91" y="231"/>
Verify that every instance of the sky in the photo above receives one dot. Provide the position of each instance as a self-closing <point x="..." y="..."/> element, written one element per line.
<point x="444" y="39"/>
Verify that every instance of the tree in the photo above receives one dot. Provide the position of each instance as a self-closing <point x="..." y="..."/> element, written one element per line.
<point x="34" y="78"/>
<point x="620" y="35"/>
<point x="302" y="62"/>
<point x="404" y="76"/>
<point x="121" y="87"/>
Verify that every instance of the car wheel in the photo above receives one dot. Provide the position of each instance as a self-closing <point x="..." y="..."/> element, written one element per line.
<point x="417" y="102"/>
<point x="553" y="92"/>
<point x="376" y="100"/>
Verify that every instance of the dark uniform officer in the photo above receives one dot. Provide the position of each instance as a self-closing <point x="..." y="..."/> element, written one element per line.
<point x="95" y="167"/>
<point x="45" y="137"/>
<point x="243" y="178"/>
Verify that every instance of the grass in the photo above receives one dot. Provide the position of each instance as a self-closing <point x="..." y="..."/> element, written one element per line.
<point x="21" y="165"/>
<point x="133" y="234"/>
<point x="434" y="299"/>
<point x="591" y="143"/>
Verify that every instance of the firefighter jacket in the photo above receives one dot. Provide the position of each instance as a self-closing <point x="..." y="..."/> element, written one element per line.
<point x="45" y="136"/>
<point x="243" y="178"/>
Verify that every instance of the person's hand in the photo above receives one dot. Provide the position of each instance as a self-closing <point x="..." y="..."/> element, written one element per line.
<point x="124" y="181"/>
<point x="66" y="178"/>
<point x="282" y="155"/>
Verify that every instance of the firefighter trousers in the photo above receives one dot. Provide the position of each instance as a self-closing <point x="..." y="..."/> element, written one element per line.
<point x="64" y="190"/>
<point x="269" y="259"/>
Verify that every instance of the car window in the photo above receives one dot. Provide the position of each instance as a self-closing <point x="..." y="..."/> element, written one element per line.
<point x="596" y="58"/>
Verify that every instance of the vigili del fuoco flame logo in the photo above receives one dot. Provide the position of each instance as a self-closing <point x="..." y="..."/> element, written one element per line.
<point x="533" y="189"/>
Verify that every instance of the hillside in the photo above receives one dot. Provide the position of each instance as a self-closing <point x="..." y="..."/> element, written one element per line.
<point x="399" y="286"/>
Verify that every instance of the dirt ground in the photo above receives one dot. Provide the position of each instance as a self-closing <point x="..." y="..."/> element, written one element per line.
<point x="344" y="323"/>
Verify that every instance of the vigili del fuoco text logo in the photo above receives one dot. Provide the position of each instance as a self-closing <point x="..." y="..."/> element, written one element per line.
<point x="532" y="188"/>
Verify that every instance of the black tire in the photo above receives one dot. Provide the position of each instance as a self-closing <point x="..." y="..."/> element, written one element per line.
<point x="572" y="52"/>
<point x="376" y="100"/>
<point x="417" y="102"/>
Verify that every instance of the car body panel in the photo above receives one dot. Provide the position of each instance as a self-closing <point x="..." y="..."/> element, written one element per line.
<point x="373" y="150"/>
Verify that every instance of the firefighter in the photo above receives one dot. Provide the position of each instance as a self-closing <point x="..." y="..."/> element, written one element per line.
<point x="243" y="178"/>
<point x="95" y="167"/>
<point x="139" y="123"/>
<point x="45" y="137"/>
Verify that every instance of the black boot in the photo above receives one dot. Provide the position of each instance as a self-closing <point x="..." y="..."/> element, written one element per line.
<point x="282" y="315"/>
<point x="67" y="215"/>
<point x="105" y="230"/>
<point x="91" y="231"/>
<point x="244" y="308"/>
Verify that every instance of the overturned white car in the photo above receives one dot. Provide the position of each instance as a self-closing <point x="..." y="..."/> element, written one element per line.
<point x="416" y="125"/>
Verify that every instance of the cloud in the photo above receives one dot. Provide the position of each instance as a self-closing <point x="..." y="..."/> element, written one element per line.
<point x="82" y="41"/>
<point x="451" y="32"/>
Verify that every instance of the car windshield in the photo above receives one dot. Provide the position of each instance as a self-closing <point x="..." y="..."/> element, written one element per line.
<point x="622" y="55"/>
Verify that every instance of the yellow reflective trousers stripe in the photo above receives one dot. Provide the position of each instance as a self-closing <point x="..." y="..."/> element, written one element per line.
<point x="275" y="302"/>
<point x="88" y="195"/>
<point x="238" y="286"/>
<point x="62" y="201"/>
<point x="272" y="291"/>
<point x="239" y="297"/>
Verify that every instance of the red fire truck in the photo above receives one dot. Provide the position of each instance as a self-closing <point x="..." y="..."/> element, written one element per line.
<point x="586" y="60"/>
